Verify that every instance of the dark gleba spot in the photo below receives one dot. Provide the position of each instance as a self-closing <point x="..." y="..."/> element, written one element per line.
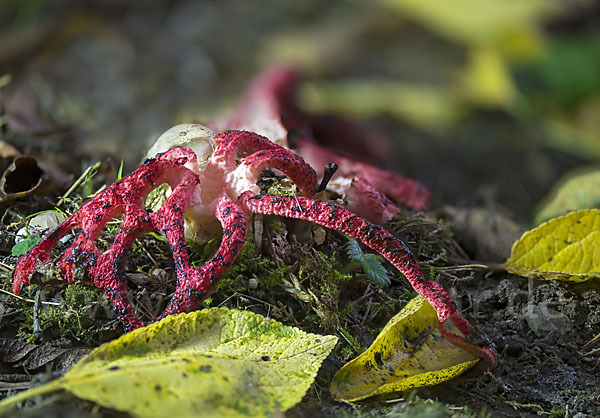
<point x="265" y="358"/>
<point x="205" y="369"/>
<point x="158" y="388"/>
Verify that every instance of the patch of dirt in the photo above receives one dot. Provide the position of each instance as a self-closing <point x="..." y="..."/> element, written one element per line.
<point x="540" y="330"/>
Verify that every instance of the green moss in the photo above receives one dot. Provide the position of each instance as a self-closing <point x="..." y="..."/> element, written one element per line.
<point x="413" y="406"/>
<point x="275" y="224"/>
<point x="345" y="312"/>
<point x="274" y="278"/>
<point x="319" y="276"/>
<point x="319" y="267"/>
<point x="73" y="317"/>
<point x="247" y="264"/>
<point x="558" y="412"/>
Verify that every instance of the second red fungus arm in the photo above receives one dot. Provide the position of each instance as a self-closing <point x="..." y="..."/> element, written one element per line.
<point x="377" y="238"/>
<point x="193" y="285"/>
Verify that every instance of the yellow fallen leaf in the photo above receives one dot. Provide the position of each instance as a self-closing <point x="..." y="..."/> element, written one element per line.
<point x="575" y="191"/>
<point x="479" y="22"/>
<point x="486" y="80"/>
<point x="216" y="362"/>
<point x="564" y="248"/>
<point x="409" y="352"/>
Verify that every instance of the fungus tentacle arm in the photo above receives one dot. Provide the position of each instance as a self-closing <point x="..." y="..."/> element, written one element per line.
<point x="294" y="167"/>
<point x="232" y="144"/>
<point x="39" y="254"/>
<point x="489" y="359"/>
<point x="401" y="190"/>
<point x="193" y="285"/>
<point x="374" y="236"/>
<point x="238" y="161"/>
<point x="123" y="197"/>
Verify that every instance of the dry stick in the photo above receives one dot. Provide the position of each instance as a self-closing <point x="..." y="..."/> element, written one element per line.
<point x="590" y="343"/>
<point x="77" y="183"/>
<point x="37" y="329"/>
<point x="328" y="172"/>
<point x="475" y="264"/>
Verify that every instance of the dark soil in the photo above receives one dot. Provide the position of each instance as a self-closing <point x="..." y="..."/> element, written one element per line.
<point x="101" y="81"/>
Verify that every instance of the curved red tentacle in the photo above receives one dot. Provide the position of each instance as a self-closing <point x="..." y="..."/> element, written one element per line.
<point x="374" y="236"/>
<point x="294" y="167"/>
<point x="400" y="189"/>
<point x="40" y="254"/>
<point x="259" y="153"/>
<point x="368" y="202"/>
<point x="194" y="285"/>
<point x="488" y="357"/>
<point x="231" y="144"/>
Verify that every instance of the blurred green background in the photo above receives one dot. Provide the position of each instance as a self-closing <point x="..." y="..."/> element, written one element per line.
<point x="487" y="102"/>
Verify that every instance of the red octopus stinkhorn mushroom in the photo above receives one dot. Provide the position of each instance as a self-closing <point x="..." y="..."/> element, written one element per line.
<point x="269" y="107"/>
<point x="225" y="189"/>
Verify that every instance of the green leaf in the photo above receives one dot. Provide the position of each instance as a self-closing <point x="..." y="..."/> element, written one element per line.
<point x="573" y="192"/>
<point x="370" y="263"/>
<point x="25" y="245"/>
<point x="374" y="270"/>
<point x="568" y="73"/>
<point x="120" y="172"/>
<point x="409" y="352"/>
<point x="564" y="248"/>
<point x="229" y="362"/>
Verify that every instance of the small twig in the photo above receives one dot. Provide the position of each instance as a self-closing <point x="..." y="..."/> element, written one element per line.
<point x="357" y="350"/>
<point x="396" y="400"/>
<point x="594" y="351"/>
<point x="77" y="183"/>
<point x="37" y="329"/>
<point x="366" y="315"/>
<point x="368" y="292"/>
<point x="590" y="343"/>
<point x="477" y="264"/>
<point x="328" y="172"/>
<point x="460" y="267"/>
<point x="21" y="298"/>
<point x="6" y="267"/>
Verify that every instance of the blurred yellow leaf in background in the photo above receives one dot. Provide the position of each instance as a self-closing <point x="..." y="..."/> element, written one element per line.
<point x="575" y="191"/>
<point x="479" y="22"/>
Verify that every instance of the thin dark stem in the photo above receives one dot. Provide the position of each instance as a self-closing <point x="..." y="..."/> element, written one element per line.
<point x="475" y="264"/>
<point x="328" y="172"/>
